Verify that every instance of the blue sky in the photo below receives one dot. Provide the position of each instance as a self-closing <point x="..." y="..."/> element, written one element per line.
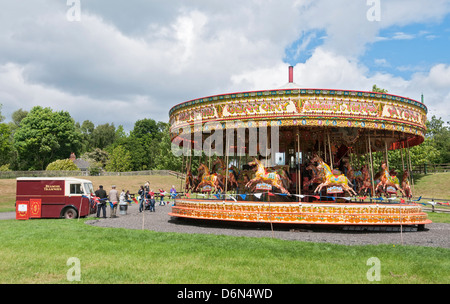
<point x="397" y="50"/>
<point x="405" y="50"/>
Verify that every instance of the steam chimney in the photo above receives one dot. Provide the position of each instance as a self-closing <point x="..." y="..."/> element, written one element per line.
<point x="291" y="74"/>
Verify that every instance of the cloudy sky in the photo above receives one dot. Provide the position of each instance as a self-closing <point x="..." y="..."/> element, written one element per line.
<point x="120" y="61"/>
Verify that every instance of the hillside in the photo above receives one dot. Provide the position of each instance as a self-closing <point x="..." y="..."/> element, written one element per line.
<point x="433" y="186"/>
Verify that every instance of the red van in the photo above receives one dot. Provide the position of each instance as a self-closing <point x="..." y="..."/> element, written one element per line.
<point x="53" y="197"/>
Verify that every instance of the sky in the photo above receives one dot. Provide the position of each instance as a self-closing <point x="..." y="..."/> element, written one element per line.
<point x="121" y="61"/>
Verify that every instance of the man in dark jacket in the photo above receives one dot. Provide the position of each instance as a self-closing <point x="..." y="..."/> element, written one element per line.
<point x="100" y="193"/>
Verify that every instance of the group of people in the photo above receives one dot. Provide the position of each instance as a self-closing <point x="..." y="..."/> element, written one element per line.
<point x="147" y="197"/>
<point x="113" y="197"/>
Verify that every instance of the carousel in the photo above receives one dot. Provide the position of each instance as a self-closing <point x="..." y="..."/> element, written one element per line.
<point x="298" y="156"/>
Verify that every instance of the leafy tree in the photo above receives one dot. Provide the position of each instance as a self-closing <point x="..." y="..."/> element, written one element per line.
<point x="166" y="160"/>
<point x="4" y="168"/>
<point x="439" y="135"/>
<point x="119" y="161"/>
<point x="97" y="156"/>
<point x="145" y="128"/>
<point x="378" y="90"/>
<point x="62" y="165"/>
<point x="86" y="130"/>
<point x="5" y="143"/>
<point x="1" y="116"/>
<point x="104" y="135"/>
<point x="45" y="136"/>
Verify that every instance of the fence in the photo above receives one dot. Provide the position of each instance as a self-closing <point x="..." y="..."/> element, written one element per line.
<point x="431" y="168"/>
<point x="16" y="174"/>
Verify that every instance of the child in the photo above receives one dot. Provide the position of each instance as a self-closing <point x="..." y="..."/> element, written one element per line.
<point x="161" y="194"/>
<point x="151" y="200"/>
<point x="173" y="194"/>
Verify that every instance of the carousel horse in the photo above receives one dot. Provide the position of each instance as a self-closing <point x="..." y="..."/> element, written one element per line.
<point x="350" y="173"/>
<point x="221" y="172"/>
<point x="366" y="183"/>
<point x="189" y="180"/>
<point x="208" y="179"/>
<point x="265" y="176"/>
<point x="244" y="178"/>
<point x="332" y="179"/>
<point x="387" y="180"/>
<point x="317" y="176"/>
<point x="358" y="180"/>
<point x="284" y="175"/>
<point x="405" y="184"/>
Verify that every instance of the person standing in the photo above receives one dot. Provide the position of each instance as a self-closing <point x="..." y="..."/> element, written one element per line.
<point x="122" y="198"/>
<point x="161" y="196"/>
<point x="114" y="199"/>
<point x="101" y="194"/>
<point x="173" y="194"/>
<point x="151" y="199"/>
<point x="128" y="197"/>
<point x="141" y="193"/>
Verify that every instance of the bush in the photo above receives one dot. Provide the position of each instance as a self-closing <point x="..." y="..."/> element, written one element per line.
<point x="5" y="168"/>
<point x="62" y="165"/>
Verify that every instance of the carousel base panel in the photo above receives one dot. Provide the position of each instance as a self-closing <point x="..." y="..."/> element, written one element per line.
<point x="301" y="213"/>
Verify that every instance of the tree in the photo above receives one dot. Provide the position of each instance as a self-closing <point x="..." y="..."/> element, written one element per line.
<point x="378" y="90"/>
<point x="1" y="116"/>
<point x="97" y="156"/>
<point x="5" y="143"/>
<point x="145" y="128"/>
<point x="62" y="165"/>
<point x="104" y="135"/>
<point x="86" y="130"/>
<point x="119" y="161"/>
<point x="439" y="135"/>
<point x="45" y="136"/>
<point x="166" y="160"/>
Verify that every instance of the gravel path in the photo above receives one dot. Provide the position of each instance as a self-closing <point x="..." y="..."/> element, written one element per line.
<point x="435" y="235"/>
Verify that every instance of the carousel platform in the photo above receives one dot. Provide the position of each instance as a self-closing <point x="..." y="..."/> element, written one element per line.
<point x="325" y="213"/>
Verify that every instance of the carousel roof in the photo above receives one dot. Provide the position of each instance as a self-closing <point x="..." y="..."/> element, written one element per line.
<point x="294" y="106"/>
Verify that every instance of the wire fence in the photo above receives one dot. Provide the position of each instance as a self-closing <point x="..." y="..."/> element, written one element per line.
<point x="431" y="168"/>
<point x="16" y="174"/>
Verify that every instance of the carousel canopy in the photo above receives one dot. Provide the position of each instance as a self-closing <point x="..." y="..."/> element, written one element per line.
<point x="398" y="120"/>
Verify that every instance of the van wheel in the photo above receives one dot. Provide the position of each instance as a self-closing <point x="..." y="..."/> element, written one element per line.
<point x="70" y="213"/>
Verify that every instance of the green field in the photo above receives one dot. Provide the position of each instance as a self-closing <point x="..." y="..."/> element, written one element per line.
<point x="432" y="185"/>
<point x="38" y="251"/>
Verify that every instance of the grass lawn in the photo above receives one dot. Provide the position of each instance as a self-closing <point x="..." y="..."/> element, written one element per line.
<point x="432" y="185"/>
<point x="37" y="251"/>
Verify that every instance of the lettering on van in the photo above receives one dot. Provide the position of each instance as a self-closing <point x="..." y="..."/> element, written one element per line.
<point x="52" y="188"/>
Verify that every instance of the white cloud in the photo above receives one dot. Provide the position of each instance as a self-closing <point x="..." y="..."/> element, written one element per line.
<point x="403" y="36"/>
<point x="129" y="60"/>
<point x="19" y="93"/>
<point x="382" y="62"/>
